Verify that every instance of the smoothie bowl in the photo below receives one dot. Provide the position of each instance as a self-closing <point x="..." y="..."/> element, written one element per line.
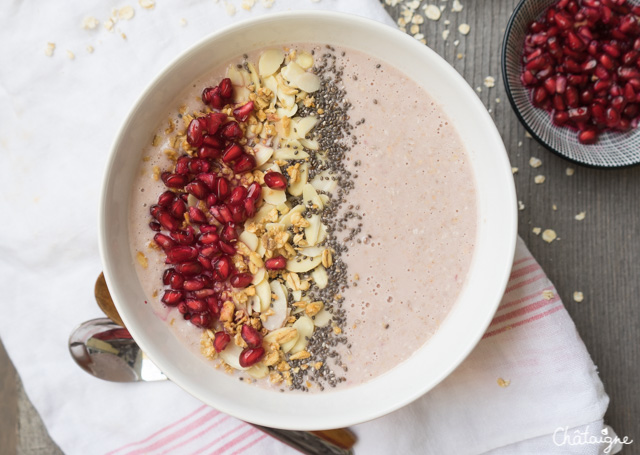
<point x="308" y="220"/>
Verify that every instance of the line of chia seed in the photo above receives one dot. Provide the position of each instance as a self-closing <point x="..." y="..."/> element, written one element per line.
<point x="334" y="133"/>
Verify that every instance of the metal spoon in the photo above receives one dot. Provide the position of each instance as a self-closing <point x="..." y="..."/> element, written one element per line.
<point x="107" y="351"/>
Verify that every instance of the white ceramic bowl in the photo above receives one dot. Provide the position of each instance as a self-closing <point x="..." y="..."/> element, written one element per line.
<point x="469" y="317"/>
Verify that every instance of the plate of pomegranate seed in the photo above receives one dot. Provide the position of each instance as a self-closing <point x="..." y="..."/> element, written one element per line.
<point x="571" y="69"/>
<point x="297" y="218"/>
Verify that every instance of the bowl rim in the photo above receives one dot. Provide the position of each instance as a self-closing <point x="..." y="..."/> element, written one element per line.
<point x="502" y="269"/>
<point x="516" y="110"/>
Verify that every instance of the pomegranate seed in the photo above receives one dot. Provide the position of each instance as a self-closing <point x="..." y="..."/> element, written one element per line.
<point x="612" y="117"/>
<point x="561" y="84"/>
<point x="558" y="103"/>
<point x="195" y="133"/>
<point x="185" y="236"/>
<point x="189" y="268"/>
<point x="560" y="118"/>
<point x="197" y="216"/>
<point x="166" y="198"/>
<point x="562" y="21"/>
<point x="166" y="276"/>
<point x="244" y="164"/>
<point x="177" y="209"/>
<point x="164" y="241"/>
<point x="208" y="252"/>
<point x="254" y="191"/>
<point x="174" y="180"/>
<point x="550" y="85"/>
<point x="198" y="189"/>
<point x="586" y="97"/>
<point x="194" y="284"/>
<point x="208" y="179"/>
<point x="574" y="42"/>
<point x="249" y="207"/>
<point x="221" y="268"/>
<point x="214" y="305"/>
<point x="205" y="261"/>
<point x="588" y="136"/>
<point x="220" y="341"/>
<point x="231" y="153"/>
<point x="222" y="188"/>
<point x="167" y="221"/>
<point x="631" y="111"/>
<point x="208" y="238"/>
<point x="182" y="165"/>
<point x="229" y="233"/>
<point x="221" y="213"/>
<point x="611" y="49"/>
<point x="237" y="195"/>
<point x="203" y="293"/>
<point x="276" y="180"/>
<point x="241" y="280"/>
<point x="628" y="73"/>
<point x="226" y="88"/>
<point x="195" y="305"/>
<point x="242" y="113"/>
<point x="176" y="281"/>
<point x="172" y="297"/>
<point x="213" y="121"/>
<point x="529" y="79"/>
<point x="251" y="336"/>
<point x="251" y="356"/>
<point x="213" y="142"/>
<point x="197" y="165"/>
<point x="155" y="226"/>
<point x="208" y="153"/>
<point x="580" y="114"/>
<point x="179" y="254"/>
<point x="276" y="263"/>
<point x="226" y="248"/>
<point x="212" y="200"/>
<point x="628" y="25"/>
<point x="212" y="97"/>
<point x="618" y="103"/>
<point x="231" y="131"/>
<point x="602" y="73"/>
<point x="202" y="320"/>
<point x="571" y="97"/>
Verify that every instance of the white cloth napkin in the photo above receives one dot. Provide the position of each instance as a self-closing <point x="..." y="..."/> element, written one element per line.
<point x="57" y="121"/>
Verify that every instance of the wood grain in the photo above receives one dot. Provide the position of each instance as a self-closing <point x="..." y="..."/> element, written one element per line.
<point x="599" y="256"/>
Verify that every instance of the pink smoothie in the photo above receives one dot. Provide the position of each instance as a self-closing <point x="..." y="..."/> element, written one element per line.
<point x="415" y="191"/>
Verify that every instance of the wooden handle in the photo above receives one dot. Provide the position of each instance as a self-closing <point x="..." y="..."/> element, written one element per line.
<point x="341" y="437"/>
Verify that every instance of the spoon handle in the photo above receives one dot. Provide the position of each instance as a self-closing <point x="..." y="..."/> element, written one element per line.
<point x="332" y="442"/>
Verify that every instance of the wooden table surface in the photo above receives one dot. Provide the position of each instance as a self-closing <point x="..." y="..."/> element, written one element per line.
<point x="599" y="256"/>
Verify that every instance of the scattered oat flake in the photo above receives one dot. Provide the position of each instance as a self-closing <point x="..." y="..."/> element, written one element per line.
<point x="554" y="207"/>
<point x="432" y="12"/>
<point x="417" y="19"/>
<point x="464" y="29"/>
<point x="504" y="383"/>
<point x="142" y="259"/>
<point x="456" y="42"/>
<point x="447" y="22"/>
<point x="108" y="24"/>
<point x="549" y="235"/>
<point x="269" y="3"/>
<point x="147" y="4"/>
<point x="535" y="162"/>
<point x="519" y="143"/>
<point x="231" y="10"/>
<point x="548" y="294"/>
<point x="90" y="22"/>
<point x="126" y="12"/>
<point x="497" y="100"/>
<point x="90" y="49"/>
<point x="527" y="135"/>
<point x="123" y="35"/>
<point x="183" y="22"/>
<point x="536" y="230"/>
<point x="414" y="29"/>
<point x="520" y="205"/>
<point x="457" y="6"/>
<point x="445" y="34"/>
<point x="539" y="179"/>
<point x="71" y="55"/>
<point x="489" y="82"/>
<point x="578" y="296"/>
<point x="580" y="216"/>
<point x="48" y="51"/>
<point x="478" y="89"/>
<point x="570" y="171"/>
<point x="514" y="170"/>
<point x="248" y="4"/>
<point x="460" y="56"/>
<point x="418" y="36"/>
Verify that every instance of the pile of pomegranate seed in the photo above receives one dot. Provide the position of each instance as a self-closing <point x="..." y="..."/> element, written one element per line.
<point x="581" y="62"/>
<point x="199" y="240"/>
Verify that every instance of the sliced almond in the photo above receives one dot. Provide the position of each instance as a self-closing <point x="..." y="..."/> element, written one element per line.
<point x="299" y="265"/>
<point x="274" y="197"/>
<point x="287" y="112"/>
<point x="322" y="319"/>
<point x="312" y="251"/>
<point x="310" y="196"/>
<point x="279" y="305"/>
<point x="286" y="153"/>
<point x="324" y="182"/>
<point x="285" y="220"/>
<point x="259" y="277"/>
<point x="304" y="60"/>
<point x="302" y="126"/>
<point x="291" y="72"/>
<point x="231" y="355"/>
<point x="249" y="239"/>
<point x="263" y="154"/>
<point x="270" y="61"/>
<point x="319" y="275"/>
<point x="295" y="189"/>
<point x="308" y="82"/>
<point x="258" y="371"/>
<point x="311" y="144"/>
<point x="304" y="326"/>
<point x="311" y="232"/>
<point x="263" y="291"/>
<point x="236" y="77"/>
